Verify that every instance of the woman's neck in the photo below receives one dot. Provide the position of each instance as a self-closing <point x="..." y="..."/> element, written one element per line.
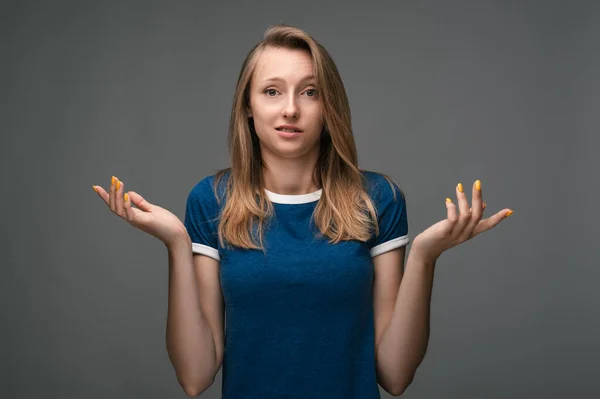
<point x="290" y="176"/>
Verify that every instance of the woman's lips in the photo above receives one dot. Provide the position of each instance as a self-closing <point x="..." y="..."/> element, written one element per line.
<point x="289" y="129"/>
<point x="288" y="134"/>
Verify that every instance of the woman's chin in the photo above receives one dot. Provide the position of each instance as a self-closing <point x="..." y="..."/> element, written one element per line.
<point x="288" y="151"/>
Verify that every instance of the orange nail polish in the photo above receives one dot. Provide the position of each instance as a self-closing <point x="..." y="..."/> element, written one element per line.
<point x="460" y="187"/>
<point x="118" y="184"/>
<point x="478" y="185"/>
<point x="95" y="189"/>
<point x="508" y="214"/>
<point x="448" y="200"/>
<point x="126" y="197"/>
<point x="112" y="181"/>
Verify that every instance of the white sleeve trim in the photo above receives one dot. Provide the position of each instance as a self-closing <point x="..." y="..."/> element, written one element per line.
<point x="389" y="245"/>
<point x="205" y="250"/>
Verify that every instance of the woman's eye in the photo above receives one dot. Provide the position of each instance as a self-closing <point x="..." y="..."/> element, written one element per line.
<point x="311" y="92"/>
<point x="271" y="92"/>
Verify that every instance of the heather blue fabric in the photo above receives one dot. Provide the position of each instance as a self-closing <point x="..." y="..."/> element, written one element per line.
<point x="299" y="318"/>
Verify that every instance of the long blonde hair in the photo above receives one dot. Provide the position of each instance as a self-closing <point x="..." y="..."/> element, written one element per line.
<point x="344" y="211"/>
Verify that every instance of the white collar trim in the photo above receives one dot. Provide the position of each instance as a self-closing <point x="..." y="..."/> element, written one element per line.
<point x="294" y="199"/>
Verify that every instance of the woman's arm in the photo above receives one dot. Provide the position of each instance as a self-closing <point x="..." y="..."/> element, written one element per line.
<point x="191" y="344"/>
<point x="404" y="342"/>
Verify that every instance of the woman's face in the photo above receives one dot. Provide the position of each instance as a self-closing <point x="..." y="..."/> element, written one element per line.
<point x="284" y="103"/>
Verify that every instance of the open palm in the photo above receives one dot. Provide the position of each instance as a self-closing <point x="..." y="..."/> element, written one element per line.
<point x="149" y="218"/>
<point x="458" y="228"/>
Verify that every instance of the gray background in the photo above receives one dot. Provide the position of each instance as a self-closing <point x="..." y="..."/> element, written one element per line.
<point x="441" y="92"/>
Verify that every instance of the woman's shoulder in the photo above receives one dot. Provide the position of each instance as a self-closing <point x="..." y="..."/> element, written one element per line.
<point x="372" y="177"/>
<point x="378" y="184"/>
<point x="212" y="186"/>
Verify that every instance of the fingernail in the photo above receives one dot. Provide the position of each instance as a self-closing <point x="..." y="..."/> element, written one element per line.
<point x="460" y="187"/>
<point x="118" y="184"/>
<point x="95" y="189"/>
<point x="126" y="197"/>
<point x="112" y="181"/>
<point x="448" y="200"/>
<point x="484" y="205"/>
<point x="508" y="214"/>
<point x="478" y="185"/>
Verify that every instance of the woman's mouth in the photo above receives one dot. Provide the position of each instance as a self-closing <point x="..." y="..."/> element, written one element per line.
<point x="288" y="133"/>
<point x="288" y="130"/>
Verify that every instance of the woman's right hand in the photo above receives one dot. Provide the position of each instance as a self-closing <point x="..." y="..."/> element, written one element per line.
<point x="147" y="217"/>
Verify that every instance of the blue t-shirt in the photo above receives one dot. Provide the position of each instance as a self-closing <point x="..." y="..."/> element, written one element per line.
<point x="299" y="319"/>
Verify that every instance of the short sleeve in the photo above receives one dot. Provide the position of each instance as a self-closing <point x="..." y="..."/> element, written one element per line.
<point x="390" y="204"/>
<point x="201" y="216"/>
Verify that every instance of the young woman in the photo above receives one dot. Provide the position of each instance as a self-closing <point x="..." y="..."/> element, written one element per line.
<point x="302" y="249"/>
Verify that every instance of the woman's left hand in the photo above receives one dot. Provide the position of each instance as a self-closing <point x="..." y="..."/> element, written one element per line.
<point x="456" y="229"/>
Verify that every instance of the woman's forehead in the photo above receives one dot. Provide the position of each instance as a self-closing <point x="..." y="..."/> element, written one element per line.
<point x="283" y="64"/>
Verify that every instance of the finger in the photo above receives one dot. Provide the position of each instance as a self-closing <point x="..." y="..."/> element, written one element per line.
<point x="492" y="221"/>
<point x="119" y="198"/>
<point x="483" y="206"/>
<point x="102" y="194"/>
<point x="139" y="201"/>
<point x="464" y="214"/>
<point x="112" y="194"/>
<point x="476" y="212"/>
<point x="129" y="211"/>
<point x="477" y="195"/>
<point x="451" y="212"/>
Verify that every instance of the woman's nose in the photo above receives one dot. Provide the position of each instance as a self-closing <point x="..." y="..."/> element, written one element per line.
<point x="291" y="108"/>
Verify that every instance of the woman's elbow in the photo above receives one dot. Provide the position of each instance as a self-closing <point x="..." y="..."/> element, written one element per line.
<point x="192" y="391"/>
<point x="195" y="389"/>
<point x="399" y="388"/>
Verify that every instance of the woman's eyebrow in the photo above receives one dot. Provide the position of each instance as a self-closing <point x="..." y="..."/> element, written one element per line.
<point x="278" y="79"/>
